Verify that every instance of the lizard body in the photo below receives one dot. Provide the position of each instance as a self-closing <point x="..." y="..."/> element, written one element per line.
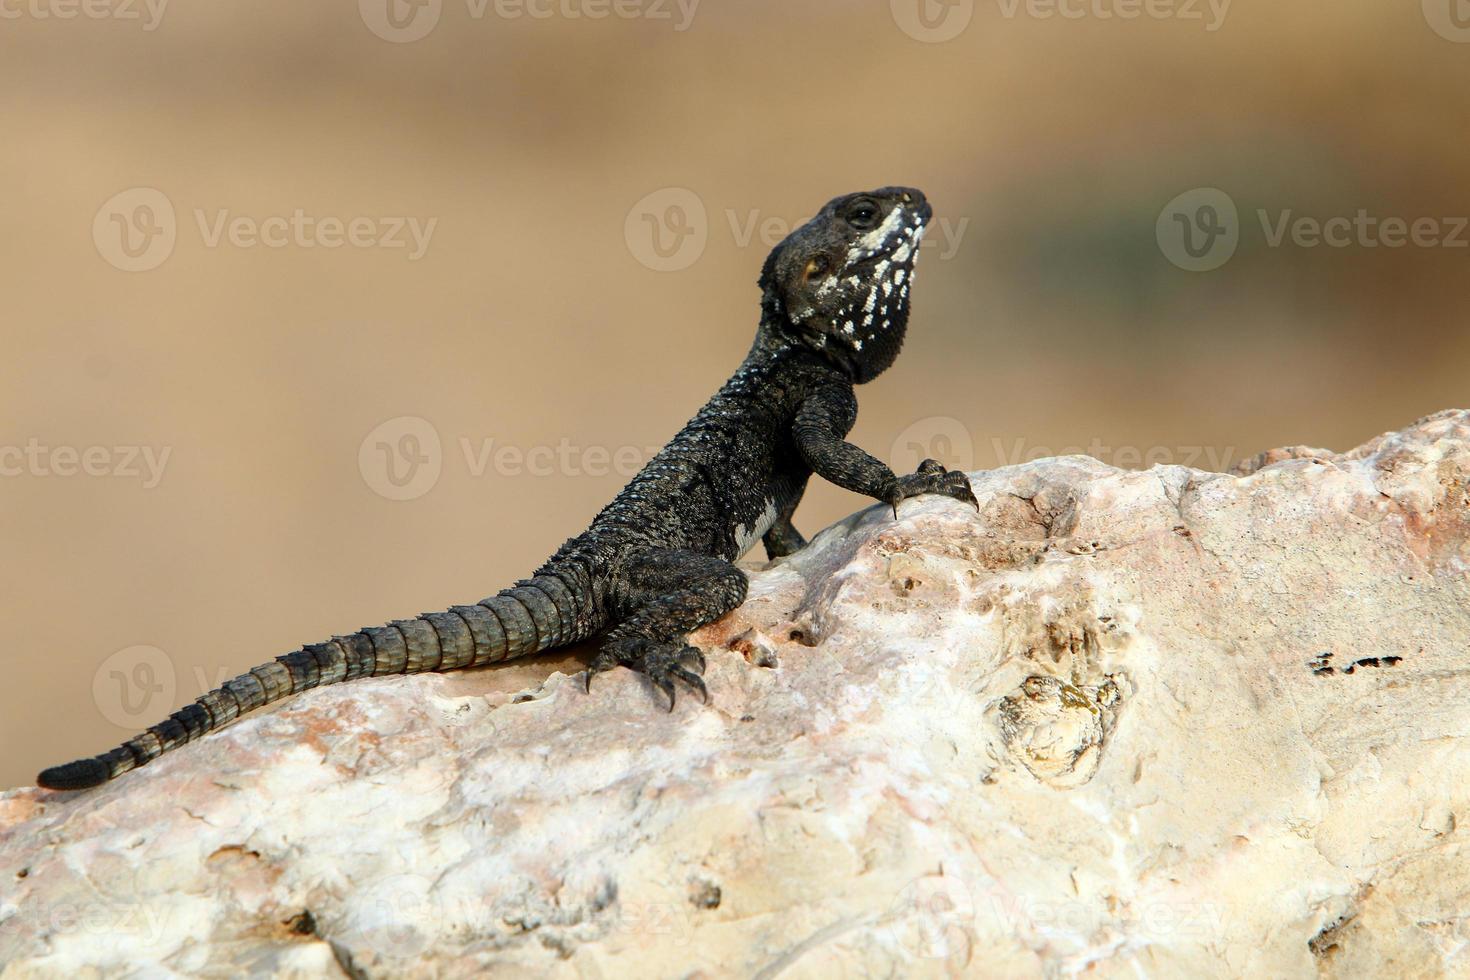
<point x="657" y="562"/>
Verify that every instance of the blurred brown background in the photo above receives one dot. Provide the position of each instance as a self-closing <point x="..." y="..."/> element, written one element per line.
<point x="548" y="151"/>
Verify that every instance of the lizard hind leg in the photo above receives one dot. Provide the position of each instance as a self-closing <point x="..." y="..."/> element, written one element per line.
<point x="668" y="594"/>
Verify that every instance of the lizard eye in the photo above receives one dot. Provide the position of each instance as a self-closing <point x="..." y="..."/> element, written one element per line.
<point x="863" y="216"/>
<point x="815" y="269"/>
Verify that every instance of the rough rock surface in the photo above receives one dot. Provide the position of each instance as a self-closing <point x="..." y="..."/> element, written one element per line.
<point x="1127" y="723"/>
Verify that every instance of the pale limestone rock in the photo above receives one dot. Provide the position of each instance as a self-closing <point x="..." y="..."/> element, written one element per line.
<point x="1121" y="723"/>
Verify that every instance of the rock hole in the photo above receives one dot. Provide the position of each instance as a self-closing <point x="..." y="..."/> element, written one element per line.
<point x="303" y="923"/>
<point x="705" y="895"/>
<point x="1324" y="945"/>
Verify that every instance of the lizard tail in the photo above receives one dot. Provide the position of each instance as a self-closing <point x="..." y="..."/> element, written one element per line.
<point x="538" y="614"/>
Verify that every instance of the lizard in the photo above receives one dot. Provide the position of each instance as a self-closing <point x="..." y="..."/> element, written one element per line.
<point x="658" y="562"/>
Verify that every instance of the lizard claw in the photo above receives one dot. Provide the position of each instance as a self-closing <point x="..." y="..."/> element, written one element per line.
<point x="957" y="485"/>
<point x="692" y="679"/>
<point x="662" y="663"/>
<point x="693" y="652"/>
<point x="603" y="661"/>
<point x="663" y="668"/>
<point x="931" y="477"/>
<point x="663" y="683"/>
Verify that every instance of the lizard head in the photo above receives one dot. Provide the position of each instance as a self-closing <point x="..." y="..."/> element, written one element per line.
<point x="839" y="284"/>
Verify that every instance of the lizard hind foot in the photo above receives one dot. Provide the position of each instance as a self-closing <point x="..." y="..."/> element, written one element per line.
<point x="662" y="663"/>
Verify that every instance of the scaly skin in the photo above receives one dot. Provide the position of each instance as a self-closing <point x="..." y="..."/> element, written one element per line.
<point x="657" y="562"/>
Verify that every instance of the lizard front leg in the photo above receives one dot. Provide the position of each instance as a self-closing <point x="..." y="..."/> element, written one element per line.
<point x="822" y="422"/>
<point x="664" y="595"/>
<point x="783" y="538"/>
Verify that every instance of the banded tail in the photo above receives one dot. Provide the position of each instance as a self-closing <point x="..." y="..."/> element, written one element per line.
<point x="538" y="614"/>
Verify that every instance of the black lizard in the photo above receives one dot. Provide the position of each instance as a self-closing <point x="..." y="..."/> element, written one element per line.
<point x="657" y="561"/>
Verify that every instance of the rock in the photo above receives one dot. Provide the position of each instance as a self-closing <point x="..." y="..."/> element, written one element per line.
<point x="1133" y="723"/>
